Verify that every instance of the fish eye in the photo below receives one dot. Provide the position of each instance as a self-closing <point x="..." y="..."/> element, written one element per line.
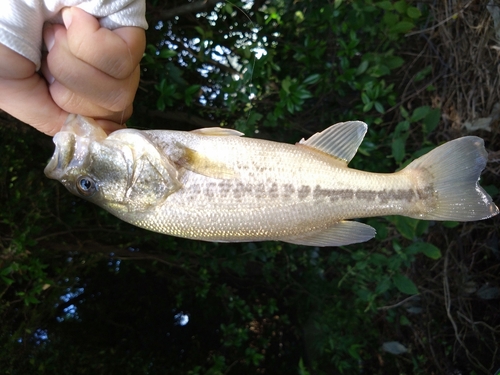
<point x="86" y="186"/>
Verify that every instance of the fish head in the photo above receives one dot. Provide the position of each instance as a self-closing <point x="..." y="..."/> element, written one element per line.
<point x="124" y="172"/>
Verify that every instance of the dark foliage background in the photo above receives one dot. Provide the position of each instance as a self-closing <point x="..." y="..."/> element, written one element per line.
<point x="83" y="293"/>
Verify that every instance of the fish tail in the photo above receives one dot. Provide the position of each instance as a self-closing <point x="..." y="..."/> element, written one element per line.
<point x="454" y="170"/>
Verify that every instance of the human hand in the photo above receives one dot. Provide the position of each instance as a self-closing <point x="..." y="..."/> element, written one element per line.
<point x="90" y="71"/>
<point x="93" y="71"/>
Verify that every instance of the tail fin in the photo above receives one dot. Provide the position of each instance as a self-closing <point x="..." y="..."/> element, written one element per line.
<point x="456" y="167"/>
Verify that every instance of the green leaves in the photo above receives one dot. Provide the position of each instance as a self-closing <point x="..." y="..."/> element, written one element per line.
<point x="414" y="13"/>
<point x="191" y="93"/>
<point x="167" y="53"/>
<point x="246" y="125"/>
<point x="404" y="284"/>
<point x="431" y="120"/>
<point x="399" y="140"/>
<point x="398" y="149"/>
<point x="312" y="79"/>
<point x="386" y="5"/>
<point x="168" y="93"/>
<point x="293" y="94"/>
<point x="399" y="17"/>
<point x="425" y="248"/>
<point x="401" y="27"/>
<point x="429" y="117"/>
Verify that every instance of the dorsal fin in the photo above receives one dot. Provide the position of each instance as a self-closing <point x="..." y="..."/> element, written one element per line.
<point x="340" y="140"/>
<point x="218" y="131"/>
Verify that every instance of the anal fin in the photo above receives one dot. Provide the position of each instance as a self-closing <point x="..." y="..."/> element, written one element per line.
<point x="339" y="234"/>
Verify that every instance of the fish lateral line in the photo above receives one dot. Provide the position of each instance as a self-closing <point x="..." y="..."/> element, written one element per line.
<point x="274" y="190"/>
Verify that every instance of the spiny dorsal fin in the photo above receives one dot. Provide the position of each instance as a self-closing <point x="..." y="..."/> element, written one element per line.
<point x="340" y="140"/>
<point x="218" y="132"/>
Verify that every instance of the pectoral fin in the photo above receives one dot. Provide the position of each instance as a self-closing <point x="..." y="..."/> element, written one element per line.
<point x="201" y="164"/>
<point x="340" y="140"/>
<point x="339" y="234"/>
<point x="219" y="132"/>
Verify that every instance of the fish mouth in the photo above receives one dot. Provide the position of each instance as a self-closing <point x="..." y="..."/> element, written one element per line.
<point x="62" y="157"/>
<point x="72" y="146"/>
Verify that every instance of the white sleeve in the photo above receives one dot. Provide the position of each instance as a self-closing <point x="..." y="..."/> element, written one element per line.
<point x="21" y="21"/>
<point x="21" y="28"/>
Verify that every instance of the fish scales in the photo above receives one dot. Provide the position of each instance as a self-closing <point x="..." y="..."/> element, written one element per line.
<point x="262" y="201"/>
<point x="213" y="184"/>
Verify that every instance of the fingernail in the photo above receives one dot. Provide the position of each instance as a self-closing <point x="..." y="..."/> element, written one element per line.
<point x="48" y="36"/>
<point x="67" y="17"/>
<point x="49" y="77"/>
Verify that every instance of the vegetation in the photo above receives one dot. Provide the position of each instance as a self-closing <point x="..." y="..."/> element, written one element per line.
<point x="82" y="292"/>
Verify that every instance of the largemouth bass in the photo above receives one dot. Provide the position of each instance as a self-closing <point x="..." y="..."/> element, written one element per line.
<point x="215" y="185"/>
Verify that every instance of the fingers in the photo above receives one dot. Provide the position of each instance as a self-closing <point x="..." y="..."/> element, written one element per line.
<point x="85" y="80"/>
<point x="80" y="88"/>
<point x="115" y="53"/>
<point x="28" y="99"/>
<point x="24" y="94"/>
<point x="88" y="104"/>
<point x="91" y="70"/>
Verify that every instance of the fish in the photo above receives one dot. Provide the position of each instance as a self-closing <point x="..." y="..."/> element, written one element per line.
<point x="214" y="184"/>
